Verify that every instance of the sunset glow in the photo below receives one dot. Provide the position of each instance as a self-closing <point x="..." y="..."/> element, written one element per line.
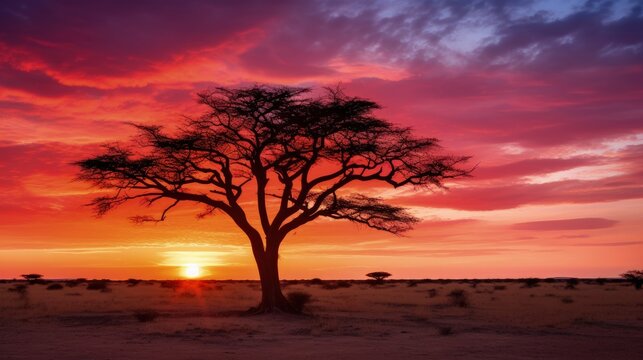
<point x="546" y="97"/>
<point x="192" y="271"/>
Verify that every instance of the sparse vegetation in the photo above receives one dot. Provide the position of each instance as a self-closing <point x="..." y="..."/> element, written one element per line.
<point x="336" y="285"/>
<point x="567" y="300"/>
<point x="132" y="282"/>
<point x="571" y="284"/>
<point x="18" y="288"/>
<point x="500" y="287"/>
<point x="531" y="282"/>
<point x="146" y="315"/>
<point x="635" y="277"/>
<point x="459" y="298"/>
<point x="433" y="293"/>
<point x="101" y="285"/>
<point x="55" y="286"/>
<point x="316" y="281"/>
<point x="298" y="300"/>
<point x="445" y="330"/>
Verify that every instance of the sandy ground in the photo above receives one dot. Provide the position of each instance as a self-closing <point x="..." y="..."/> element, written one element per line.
<point x="392" y="321"/>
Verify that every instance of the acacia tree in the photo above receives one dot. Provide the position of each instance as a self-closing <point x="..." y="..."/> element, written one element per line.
<point x="298" y="154"/>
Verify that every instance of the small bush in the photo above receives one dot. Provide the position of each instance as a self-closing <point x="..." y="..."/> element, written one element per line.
<point x="298" y="300"/>
<point x="316" y="281"/>
<point x="170" y="284"/>
<point x="146" y="315"/>
<point x="336" y="285"/>
<point x="412" y="283"/>
<point x="500" y="287"/>
<point x="459" y="298"/>
<point x="601" y="281"/>
<point x="18" y="288"/>
<point x="531" y="282"/>
<point x="567" y="300"/>
<point x="571" y="284"/>
<point x="433" y="293"/>
<point x="55" y="286"/>
<point x="98" y="285"/>
<point x="132" y="282"/>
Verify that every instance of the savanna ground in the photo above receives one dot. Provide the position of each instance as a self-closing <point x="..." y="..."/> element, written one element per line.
<point x="492" y="320"/>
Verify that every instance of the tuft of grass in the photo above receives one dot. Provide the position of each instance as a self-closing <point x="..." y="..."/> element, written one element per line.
<point x="459" y="298"/>
<point x="55" y="286"/>
<point x="298" y="300"/>
<point x="567" y="300"/>
<point x="336" y="285"/>
<point x="19" y="288"/>
<point x="146" y="315"/>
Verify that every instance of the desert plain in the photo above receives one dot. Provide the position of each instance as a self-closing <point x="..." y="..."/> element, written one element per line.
<point x="394" y="320"/>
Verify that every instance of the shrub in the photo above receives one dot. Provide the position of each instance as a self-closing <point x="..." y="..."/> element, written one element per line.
<point x="316" y="281"/>
<point x="298" y="299"/>
<point x="600" y="281"/>
<point x="19" y="288"/>
<point x="55" y="286"/>
<point x="571" y="284"/>
<point x="98" y="285"/>
<point x="170" y="284"/>
<point x="146" y="315"/>
<point x="635" y="277"/>
<point x="336" y="285"/>
<point x="459" y="298"/>
<point x="567" y="300"/>
<point x="445" y="330"/>
<point x="500" y="287"/>
<point x="132" y="282"/>
<point x="531" y="282"/>
<point x="433" y="293"/>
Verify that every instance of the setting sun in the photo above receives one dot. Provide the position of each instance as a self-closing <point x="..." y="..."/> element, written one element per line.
<point x="191" y="271"/>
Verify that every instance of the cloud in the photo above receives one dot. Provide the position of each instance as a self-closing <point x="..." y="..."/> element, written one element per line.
<point x="566" y="224"/>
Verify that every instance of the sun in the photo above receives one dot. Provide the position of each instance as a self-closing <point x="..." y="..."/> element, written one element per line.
<point x="191" y="271"/>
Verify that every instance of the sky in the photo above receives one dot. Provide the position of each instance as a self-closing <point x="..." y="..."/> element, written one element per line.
<point x="545" y="95"/>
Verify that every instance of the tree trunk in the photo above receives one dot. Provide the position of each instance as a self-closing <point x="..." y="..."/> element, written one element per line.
<point x="272" y="299"/>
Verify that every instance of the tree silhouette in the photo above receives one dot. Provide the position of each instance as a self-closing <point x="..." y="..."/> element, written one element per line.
<point x="378" y="276"/>
<point x="297" y="153"/>
<point x="635" y="277"/>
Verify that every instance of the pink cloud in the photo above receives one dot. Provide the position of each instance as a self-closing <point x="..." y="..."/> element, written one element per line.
<point x="566" y="224"/>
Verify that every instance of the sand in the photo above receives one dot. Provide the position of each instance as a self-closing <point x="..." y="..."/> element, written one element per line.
<point x="391" y="321"/>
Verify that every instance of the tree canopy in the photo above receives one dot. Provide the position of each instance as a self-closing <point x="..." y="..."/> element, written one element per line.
<point x="300" y="154"/>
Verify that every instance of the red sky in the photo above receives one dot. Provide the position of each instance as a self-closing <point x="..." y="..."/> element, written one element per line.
<point x="547" y="98"/>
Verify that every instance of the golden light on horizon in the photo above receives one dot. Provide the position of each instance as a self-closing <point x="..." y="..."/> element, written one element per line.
<point x="192" y="271"/>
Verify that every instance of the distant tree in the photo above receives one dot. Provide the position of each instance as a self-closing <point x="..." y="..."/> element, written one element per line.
<point x="300" y="156"/>
<point x="33" y="278"/>
<point x="378" y="276"/>
<point x="531" y="282"/>
<point x="635" y="277"/>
